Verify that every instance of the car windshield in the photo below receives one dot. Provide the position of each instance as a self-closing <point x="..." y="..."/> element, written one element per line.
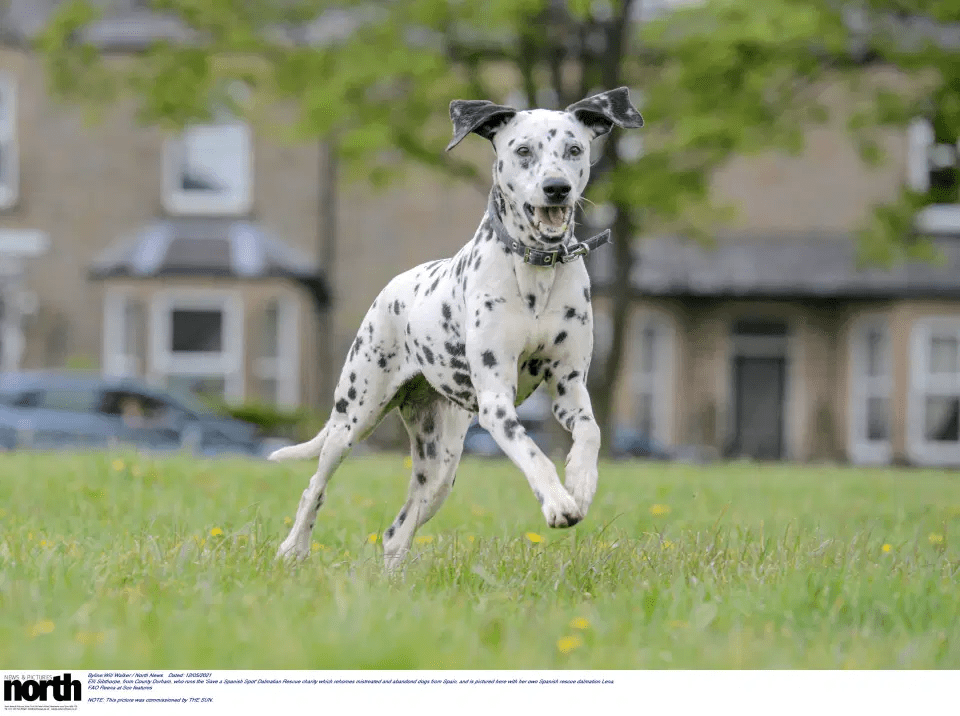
<point x="189" y="401"/>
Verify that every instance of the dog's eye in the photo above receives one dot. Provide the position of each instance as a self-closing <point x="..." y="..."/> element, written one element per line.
<point x="523" y="151"/>
<point x="575" y="151"/>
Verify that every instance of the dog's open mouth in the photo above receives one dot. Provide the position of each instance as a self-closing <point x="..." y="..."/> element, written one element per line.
<point x="550" y="221"/>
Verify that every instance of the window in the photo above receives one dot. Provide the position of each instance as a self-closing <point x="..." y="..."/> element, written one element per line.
<point x="277" y="366"/>
<point x="933" y="168"/>
<point x="208" y="170"/>
<point x="934" y="418"/>
<point x="124" y="334"/>
<point x="652" y="373"/>
<point x="870" y="383"/>
<point x="196" y="342"/>
<point x="9" y="161"/>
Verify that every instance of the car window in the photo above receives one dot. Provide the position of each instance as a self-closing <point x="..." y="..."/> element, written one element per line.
<point x="76" y="400"/>
<point x="21" y="399"/>
<point x="136" y="409"/>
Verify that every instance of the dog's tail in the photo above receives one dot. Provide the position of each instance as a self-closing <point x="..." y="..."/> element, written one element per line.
<point x="311" y="448"/>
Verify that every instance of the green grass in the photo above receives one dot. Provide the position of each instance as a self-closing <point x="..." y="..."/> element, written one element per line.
<point x="118" y="562"/>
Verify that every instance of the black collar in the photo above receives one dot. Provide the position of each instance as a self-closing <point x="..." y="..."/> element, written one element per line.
<point x="538" y="257"/>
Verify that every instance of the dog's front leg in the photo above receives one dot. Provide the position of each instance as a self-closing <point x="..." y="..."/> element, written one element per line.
<point x="572" y="409"/>
<point x="499" y="417"/>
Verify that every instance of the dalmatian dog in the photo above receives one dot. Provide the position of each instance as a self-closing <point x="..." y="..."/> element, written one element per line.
<point x="477" y="333"/>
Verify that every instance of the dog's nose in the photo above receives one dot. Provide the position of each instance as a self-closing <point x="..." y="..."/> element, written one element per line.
<point x="556" y="189"/>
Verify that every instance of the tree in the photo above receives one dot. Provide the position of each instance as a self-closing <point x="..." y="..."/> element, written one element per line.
<point x="714" y="80"/>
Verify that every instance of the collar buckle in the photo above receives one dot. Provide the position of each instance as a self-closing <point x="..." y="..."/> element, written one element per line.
<point x="574" y="253"/>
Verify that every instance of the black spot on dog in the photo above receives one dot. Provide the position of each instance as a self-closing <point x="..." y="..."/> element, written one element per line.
<point x="383" y="361"/>
<point x="431" y="448"/>
<point x="551" y="134"/>
<point x="561" y="337"/>
<point x="401" y="518"/>
<point x="428" y="354"/>
<point x="456" y="349"/>
<point x="396" y="307"/>
<point x="461" y="379"/>
<point x="573" y="375"/>
<point x="510" y="428"/>
<point x="500" y="166"/>
<point x="389" y="533"/>
<point x="561" y="389"/>
<point x="353" y="377"/>
<point x="501" y="413"/>
<point x="531" y="301"/>
<point x="422" y="478"/>
<point x="342" y="406"/>
<point x="586" y="293"/>
<point x="352" y="393"/>
<point x="489" y="359"/>
<point x="571" y="312"/>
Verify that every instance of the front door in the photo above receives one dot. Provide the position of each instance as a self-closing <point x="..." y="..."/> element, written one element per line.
<point x="759" y="384"/>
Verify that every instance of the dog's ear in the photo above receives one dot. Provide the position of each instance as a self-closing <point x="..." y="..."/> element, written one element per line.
<point x="601" y="111"/>
<point x="480" y="116"/>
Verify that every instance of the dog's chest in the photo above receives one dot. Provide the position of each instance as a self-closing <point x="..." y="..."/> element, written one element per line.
<point x="535" y="285"/>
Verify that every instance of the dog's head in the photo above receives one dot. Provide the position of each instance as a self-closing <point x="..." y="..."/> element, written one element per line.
<point x="543" y="156"/>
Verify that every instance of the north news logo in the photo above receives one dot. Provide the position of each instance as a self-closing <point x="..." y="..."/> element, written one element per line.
<point x="60" y="688"/>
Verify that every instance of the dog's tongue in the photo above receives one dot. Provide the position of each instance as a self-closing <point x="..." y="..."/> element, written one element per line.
<point x="555" y="214"/>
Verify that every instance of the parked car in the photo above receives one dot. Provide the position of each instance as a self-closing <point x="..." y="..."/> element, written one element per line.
<point x="48" y="410"/>
<point x="630" y="443"/>
<point x="534" y="414"/>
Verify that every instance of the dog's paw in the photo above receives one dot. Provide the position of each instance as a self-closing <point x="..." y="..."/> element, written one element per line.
<point x="561" y="511"/>
<point x="582" y="490"/>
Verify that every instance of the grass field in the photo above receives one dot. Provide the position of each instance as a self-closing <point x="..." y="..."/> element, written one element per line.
<point x="115" y="561"/>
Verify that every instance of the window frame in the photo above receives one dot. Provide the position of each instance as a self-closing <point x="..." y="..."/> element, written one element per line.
<point x="862" y="387"/>
<point x="227" y="363"/>
<point x="10" y="141"/>
<point x="658" y="383"/>
<point x="935" y="218"/>
<point x="925" y="383"/>
<point x="184" y="202"/>
<point x="284" y="368"/>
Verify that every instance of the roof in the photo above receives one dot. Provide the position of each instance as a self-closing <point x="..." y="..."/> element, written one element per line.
<point x="205" y="247"/>
<point x="782" y="266"/>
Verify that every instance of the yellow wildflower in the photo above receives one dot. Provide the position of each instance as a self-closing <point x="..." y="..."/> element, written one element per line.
<point x="44" y="626"/>
<point x="534" y="537"/>
<point x="408" y="462"/>
<point x="667" y="544"/>
<point x="424" y="539"/>
<point x="567" y="644"/>
<point x="315" y="546"/>
<point x="287" y="521"/>
<point x="90" y="637"/>
<point x="372" y="538"/>
<point x="886" y="547"/>
<point x="659" y="510"/>
<point x="216" y="532"/>
<point x="579" y="623"/>
<point x="936" y="540"/>
<point x="117" y="465"/>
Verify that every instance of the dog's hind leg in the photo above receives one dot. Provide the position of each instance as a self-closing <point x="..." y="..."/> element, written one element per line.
<point x="437" y="429"/>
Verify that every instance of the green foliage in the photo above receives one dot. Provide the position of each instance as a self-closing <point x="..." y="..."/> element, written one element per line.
<point x="161" y="563"/>
<point x="269" y="418"/>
